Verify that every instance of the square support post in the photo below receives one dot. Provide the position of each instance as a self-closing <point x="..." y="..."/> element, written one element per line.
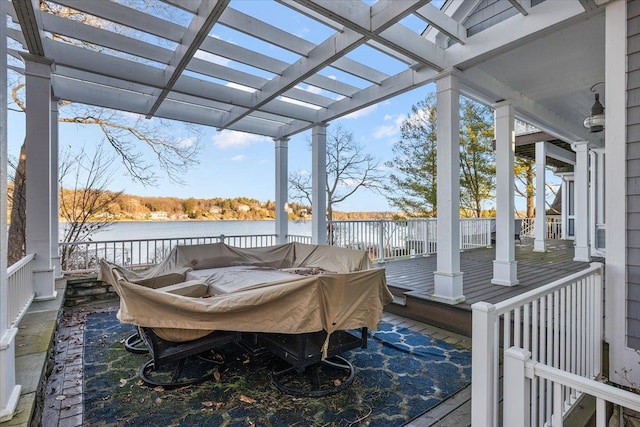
<point x="448" y="280"/>
<point x="319" y="184"/>
<point x="517" y="388"/>
<point x="282" y="186"/>
<point x="541" y="184"/>
<point x="484" y="394"/>
<point x="55" y="201"/>
<point x="582" y="252"/>
<point x="38" y="172"/>
<point x="505" y="271"/>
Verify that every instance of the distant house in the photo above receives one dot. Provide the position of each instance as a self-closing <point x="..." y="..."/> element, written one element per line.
<point x="243" y="208"/>
<point x="215" y="210"/>
<point x="158" y="215"/>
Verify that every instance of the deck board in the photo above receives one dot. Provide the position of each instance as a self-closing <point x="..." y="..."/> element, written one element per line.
<point x="414" y="278"/>
<point x="535" y="269"/>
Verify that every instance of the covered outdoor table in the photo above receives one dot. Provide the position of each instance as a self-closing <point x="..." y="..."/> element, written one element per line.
<point x="297" y="300"/>
<point x="347" y="294"/>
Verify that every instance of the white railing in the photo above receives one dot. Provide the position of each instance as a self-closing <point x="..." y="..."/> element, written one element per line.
<point x="475" y="233"/>
<point x="20" y="289"/>
<point x="385" y="239"/>
<point x="559" y="323"/>
<point x="84" y="256"/>
<point x="521" y="373"/>
<point x="554" y="227"/>
<point x="298" y="238"/>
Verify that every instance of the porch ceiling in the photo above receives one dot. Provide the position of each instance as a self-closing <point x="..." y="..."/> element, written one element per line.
<point x="543" y="58"/>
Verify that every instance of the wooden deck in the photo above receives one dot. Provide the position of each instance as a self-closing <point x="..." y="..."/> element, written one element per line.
<point x="411" y="281"/>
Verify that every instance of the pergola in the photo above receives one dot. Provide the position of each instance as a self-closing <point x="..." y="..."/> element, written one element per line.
<point x="533" y="60"/>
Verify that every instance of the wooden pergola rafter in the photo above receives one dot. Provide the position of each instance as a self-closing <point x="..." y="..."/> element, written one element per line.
<point x="234" y="86"/>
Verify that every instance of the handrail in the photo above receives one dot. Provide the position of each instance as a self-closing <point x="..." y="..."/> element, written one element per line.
<point x="19" y="264"/>
<point x="20" y="291"/>
<point x="382" y="239"/>
<point x="559" y="323"/>
<point x="529" y="296"/>
<point x="521" y="374"/>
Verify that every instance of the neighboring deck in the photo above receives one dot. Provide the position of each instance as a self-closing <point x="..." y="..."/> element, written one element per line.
<point x="411" y="281"/>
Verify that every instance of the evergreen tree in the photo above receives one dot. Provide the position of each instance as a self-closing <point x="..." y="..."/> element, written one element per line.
<point x="413" y="182"/>
<point x="477" y="160"/>
<point x="412" y="186"/>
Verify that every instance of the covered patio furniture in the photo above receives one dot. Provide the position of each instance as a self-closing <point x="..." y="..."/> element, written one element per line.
<point x="295" y="290"/>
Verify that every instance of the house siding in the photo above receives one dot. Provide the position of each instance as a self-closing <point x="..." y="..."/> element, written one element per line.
<point x="633" y="174"/>
<point x="488" y="13"/>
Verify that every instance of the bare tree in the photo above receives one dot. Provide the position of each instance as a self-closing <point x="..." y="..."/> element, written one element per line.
<point x="132" y="138"/>
<point x="349" y="169"/>
<point x="84" y="203"/>
<point x="16" y="233"/>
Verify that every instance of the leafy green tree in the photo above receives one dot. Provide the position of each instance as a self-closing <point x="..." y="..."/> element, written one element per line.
<point x="412" y="182"/>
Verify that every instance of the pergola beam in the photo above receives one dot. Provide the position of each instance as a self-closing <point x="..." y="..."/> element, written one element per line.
<point x="395" y="85"/>
<point x="135" y="102"/>
<point x="323" y="54"/>
<point x="373" y="21"/>
<point x="30" y="24"/>
<point x="120" y="70"/>
<point x="519" y="7"/>
<point x="199" y="27"/>
<point x="443" y="23"/>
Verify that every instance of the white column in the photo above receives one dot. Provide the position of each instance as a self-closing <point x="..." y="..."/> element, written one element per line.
<point x="38" y="175"/>
<point x="55" y="252"/>
<point x="448" y="279"/>
<point x="282" y="185"/>
<point x="505" y="271"/>
<point x="319" y="184"/>
<point x="563" y="207"/>
<point x="9" y="390"/>
<point x="581" y="202"/>
<point x="596" y="199"/>
<point x="541" y="186"/>
<point x="621" y="357"/>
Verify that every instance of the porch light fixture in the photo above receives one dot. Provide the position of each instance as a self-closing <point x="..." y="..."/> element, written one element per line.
<point x="595" y="122"/>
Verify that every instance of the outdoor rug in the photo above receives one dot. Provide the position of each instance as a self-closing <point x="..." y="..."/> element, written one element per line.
<point x="399" y="376"/>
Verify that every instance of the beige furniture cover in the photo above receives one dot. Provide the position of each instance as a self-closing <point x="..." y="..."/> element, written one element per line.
<point x="348" y="294"/>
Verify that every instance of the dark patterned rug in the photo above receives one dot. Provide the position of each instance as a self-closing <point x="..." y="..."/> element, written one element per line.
<point x="399" y="376"/>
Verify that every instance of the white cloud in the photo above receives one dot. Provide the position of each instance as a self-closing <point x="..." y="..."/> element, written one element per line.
<point x="390" y="130"/>
<point x="234" y="139"/>
<point x="362" y="113"/>
<point x="385" y="131"/>
<point x="187" y="142"/>
<point x="239" y="158"/>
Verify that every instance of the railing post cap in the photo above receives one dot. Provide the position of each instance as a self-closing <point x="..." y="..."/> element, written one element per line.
<point x="483" y="306"/>
<point x="518" y="353"/>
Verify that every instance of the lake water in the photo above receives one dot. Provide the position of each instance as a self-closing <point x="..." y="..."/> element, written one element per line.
<point x="133" y="230"/>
